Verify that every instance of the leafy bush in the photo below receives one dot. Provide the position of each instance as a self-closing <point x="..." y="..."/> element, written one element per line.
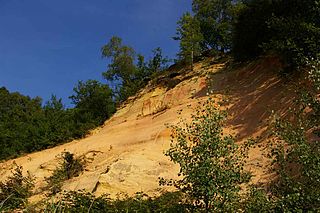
<point x="211" y="163"/>
<point x="69" y="167"/>
<point x="15" y="191"/>
<point x="80" y="201"/>
<point x="297" y="159"/>
<point x="313" y="67"/>
<point x="257" y="200"/>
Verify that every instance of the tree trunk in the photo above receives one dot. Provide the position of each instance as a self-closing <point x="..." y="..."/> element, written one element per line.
<point x="192" y="60"/>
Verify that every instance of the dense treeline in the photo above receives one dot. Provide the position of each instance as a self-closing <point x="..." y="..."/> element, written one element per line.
<point x="26" y="125"/>
<point x="251" y="28"/>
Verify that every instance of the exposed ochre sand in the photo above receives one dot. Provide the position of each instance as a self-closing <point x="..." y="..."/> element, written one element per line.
<point x="126" y="154"/>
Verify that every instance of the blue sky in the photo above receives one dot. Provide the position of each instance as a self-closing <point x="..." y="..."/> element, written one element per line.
<point x="46" y="46"/>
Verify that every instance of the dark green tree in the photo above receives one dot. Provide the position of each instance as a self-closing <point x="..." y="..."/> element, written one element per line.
<point x="250" y="29"/>
<point x="215" y="18"/>
<point x="190" y="37"/>
<point x="295" y="33"/>
<point x="122" y="69"/>
<point x="158" y="62"/>
<point x="19" y="118"/>
<point x="57" y="124"/>
<point x="155" y="65"/>
<point x="128" y="70"/>
<point x="93" y="101"/>
<point x="290" y="31"/>
<point x="27" y="126"/>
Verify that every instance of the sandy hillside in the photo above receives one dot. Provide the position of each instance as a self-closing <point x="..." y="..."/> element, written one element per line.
<point x="126" y="154"/>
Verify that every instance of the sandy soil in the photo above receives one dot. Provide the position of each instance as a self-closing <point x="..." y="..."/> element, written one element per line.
<point x="126" y="154"/>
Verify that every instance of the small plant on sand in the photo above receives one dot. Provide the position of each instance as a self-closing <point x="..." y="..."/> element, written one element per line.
<point x="69" y="167"/>
<point x="15" y="191"/>
<point x="211" y="163"/>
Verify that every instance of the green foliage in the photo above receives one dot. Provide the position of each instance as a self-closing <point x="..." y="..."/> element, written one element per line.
<point x="313" y="67"/>
<point x="122" y="67"/>
<point x="27" y="126"/>
<point x="157" y="63"/>
<point x="56" y="124"/>
<point x="128" y="69"/>
<point x="297" y="159"/>
<point x="190" y="36"/>
<point x="251" y="29"/>
<point x="291" y="31"/>
<point x="215" y="18"/>
<point x="256" y="200"/>
<point x="211" y="163"/>
<point x="19" y="117"/>
<point x="15" y="191"/>
<point x="93" y="102"/>
<point x="81" y="201"/>
<point x="68" y="168"/>
<point x="295" y="31"/>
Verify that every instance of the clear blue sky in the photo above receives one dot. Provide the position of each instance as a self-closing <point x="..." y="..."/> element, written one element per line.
<point x="46" y="46"/>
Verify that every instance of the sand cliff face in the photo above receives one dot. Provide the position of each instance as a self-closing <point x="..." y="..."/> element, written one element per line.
<point x="126" y="154"/>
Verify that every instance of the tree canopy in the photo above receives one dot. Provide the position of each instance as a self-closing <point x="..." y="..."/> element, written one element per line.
<point x="215" y="18"/>
<point x="127" y="69"/>
<point x="291" y="31"/>
<point x="27" y="126"/>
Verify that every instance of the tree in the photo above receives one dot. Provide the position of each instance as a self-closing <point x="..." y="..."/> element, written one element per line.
<point x="215" y="18"/>
<point x="289" y="31"/>
<point x="93" y="101"/>
<point x="190" y="36"/>
<point x="19" y="117"/>
<point x="158" y="62"/>
<point x="122" y="68"/>
<point x="211" y="164"/>
<point x="155" y="65"/>
<point x="251" y="30"/>
<point x="57" y="123"/>
<point x="127" y="69"/>
<point x="295" y="32"/>
<point x="27" y="126"/>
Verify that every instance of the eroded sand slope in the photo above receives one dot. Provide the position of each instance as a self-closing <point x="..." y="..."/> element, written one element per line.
<point x="126" y="154"/>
